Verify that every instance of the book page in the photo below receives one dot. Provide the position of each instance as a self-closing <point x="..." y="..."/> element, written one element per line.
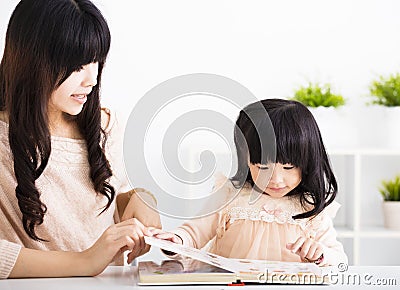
<point x="182" y="272"/>
<point x="209" y="258"/>
<point x="236" y="265"/>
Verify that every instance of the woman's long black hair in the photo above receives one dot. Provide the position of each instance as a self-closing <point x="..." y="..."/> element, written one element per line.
<point x="298" y="142"/>
<point x="46" y="41"/>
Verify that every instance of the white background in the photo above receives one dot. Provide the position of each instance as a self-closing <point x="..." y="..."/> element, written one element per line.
<point x="271" y="47"/>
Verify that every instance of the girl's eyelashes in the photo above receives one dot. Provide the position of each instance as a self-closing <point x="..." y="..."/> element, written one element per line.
<point x="263" y="167"/>
<point x="266" y="167"/>
<point x="288" y="167"/>
<point x="78" y="69"/>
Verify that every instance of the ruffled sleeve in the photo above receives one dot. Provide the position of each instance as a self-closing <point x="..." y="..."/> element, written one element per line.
<point x="321" y="229"/>
<point x="332" y="209"/>
<point x="322" y="220"/>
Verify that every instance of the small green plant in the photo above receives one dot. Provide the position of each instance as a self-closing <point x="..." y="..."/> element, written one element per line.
<point x="386" y="91"/>
<point x="390" y="189"/>
<point x="315" y="95"/>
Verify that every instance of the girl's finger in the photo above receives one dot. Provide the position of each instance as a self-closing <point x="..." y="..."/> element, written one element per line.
<point x="155" y="231"/>
<point x="305" y="248"/>
<point x="311" y="252"/>
<point x="318" y="253"/>
<point x="165" y="236"/>
<point x="297" y="245"/>
<point x="146" y="231"/>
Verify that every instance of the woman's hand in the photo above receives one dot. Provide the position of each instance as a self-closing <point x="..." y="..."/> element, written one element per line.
<point x="308" y="249"/>
<point x="159" y="234"/>
<point x="118" y="238"/>
<point x="130" y="205"/>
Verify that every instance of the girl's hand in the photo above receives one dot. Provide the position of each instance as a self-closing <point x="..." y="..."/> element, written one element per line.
<point x="159" y="234"/>
<point x="118" y="238"/>
<point x="308" y="249"/>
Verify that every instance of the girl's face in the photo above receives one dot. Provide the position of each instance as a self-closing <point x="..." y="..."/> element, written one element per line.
<point x="284" y="178"/>
<point x="71" y="95"/>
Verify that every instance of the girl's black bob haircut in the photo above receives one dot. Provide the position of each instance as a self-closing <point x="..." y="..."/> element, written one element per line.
<point x="294" y="138"/>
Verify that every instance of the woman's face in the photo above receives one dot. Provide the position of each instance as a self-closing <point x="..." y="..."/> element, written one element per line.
<point x="284" y="178"/>
<point x="71" y="95"/>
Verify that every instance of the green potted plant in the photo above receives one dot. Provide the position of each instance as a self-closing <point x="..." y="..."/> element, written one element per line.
<point x="386" y="91"/>
<point x="328" y="108"/>
<point x="385" y="95"/>
<point x="316" y="95"/>
<point x="390" y="191"/>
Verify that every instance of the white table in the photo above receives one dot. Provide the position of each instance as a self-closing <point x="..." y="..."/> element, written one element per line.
<point x="115" y="277"/>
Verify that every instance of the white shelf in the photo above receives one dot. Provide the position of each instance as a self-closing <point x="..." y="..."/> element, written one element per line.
<point x="344" y="232"/>
<point x="365" y="151"/>
<point x="369" y="232"/>
<point x="378" y="232"/>
<point x="359" y="222"/>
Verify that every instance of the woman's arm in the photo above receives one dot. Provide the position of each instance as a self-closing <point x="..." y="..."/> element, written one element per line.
<point x="127" y="235"/>
<point x="142" y="208"/>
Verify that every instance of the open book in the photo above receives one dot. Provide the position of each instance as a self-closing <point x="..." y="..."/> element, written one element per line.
<point x="200" y="267"/>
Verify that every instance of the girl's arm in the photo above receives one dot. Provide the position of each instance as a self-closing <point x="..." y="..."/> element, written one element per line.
<point x="332" y="249"/>
<point x="127" y="235"/>
<point x="139" y="204"/>
<point x="196" y="233"/>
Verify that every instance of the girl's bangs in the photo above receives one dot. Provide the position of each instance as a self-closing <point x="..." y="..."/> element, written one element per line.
<point x="261" y="143"/>
<point x="291" y="146"/>
<point x="283" y="144"/>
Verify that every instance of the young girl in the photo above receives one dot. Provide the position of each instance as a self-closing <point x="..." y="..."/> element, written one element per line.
<point x="292" y="218"/>
<point x="61" y="154"/>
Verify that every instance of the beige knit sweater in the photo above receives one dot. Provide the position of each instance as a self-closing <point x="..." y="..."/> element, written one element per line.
<point x="72" y="222"/>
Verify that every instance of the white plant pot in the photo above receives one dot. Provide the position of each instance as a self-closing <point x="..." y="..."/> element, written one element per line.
<point x="370" y="123"/>
<point x="337" y="126"/>
<point x="379" y="127"/>
<point x="392" y="127"/>
<point x="391" y="214"/>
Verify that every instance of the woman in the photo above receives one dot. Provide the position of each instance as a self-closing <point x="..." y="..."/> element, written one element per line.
<point x="60" y="154"/>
